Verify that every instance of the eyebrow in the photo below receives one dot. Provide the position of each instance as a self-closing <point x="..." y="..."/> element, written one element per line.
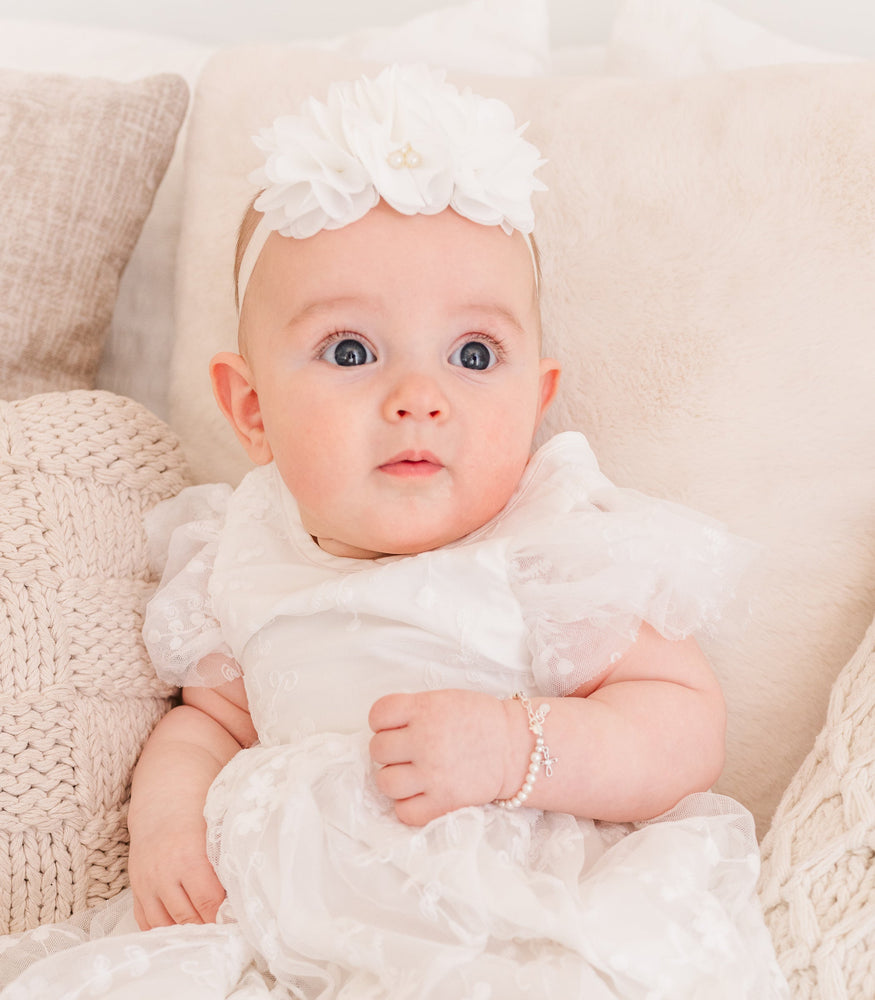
<point x="336" y="302"/>
<point x="494" y="309"/>
<point x="373" y="304"/>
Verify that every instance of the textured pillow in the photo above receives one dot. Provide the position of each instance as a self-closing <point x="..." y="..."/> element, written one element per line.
<point x="818" y="878"/>
<point x="709" y="283"/>
<point x="78" y="696"/>
<point x="80" y="160"/>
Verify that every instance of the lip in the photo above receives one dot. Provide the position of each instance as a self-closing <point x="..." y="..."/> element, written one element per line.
<point x="412" y="464"/>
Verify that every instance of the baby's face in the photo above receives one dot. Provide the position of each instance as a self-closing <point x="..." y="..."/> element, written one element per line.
<point x="397" y="372"/>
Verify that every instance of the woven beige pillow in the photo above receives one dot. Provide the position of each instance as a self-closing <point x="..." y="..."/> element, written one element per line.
<point x="818" y="878"/>
<point x="80" y="160"/>
<point x="78" y="696"/>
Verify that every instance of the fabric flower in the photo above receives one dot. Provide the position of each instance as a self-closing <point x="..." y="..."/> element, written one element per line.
<point x="406" y="136"/>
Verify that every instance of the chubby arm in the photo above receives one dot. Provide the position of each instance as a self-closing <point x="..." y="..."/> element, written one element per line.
<point x="171" y="877"/>
<point x="628" y="746"/>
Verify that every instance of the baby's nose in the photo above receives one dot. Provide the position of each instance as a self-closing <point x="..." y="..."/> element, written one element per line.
<point x="416" y="397"/>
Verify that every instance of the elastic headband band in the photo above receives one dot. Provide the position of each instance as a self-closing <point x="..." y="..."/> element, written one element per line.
<point x="250" y="257"/>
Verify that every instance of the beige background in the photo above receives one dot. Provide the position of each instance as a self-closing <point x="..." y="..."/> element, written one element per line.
<point x="843" y="25"/>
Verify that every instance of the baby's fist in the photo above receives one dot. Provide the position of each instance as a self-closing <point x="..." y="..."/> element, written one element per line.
<point x="440" y="750"/>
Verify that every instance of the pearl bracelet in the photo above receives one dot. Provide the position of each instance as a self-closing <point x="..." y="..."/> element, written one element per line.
<point x="538" y="757"/>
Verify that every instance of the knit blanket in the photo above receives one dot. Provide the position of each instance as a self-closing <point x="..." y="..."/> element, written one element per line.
<point x="78" y="696"/>
<point x="818" y="878"/>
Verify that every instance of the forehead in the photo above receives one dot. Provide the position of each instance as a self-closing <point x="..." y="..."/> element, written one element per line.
<point x="388" y="253"/>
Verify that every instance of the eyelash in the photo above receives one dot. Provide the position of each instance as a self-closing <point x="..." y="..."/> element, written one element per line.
<point x="336" y="336"/>
<point x="496" y="345"/>
<point x="340" y="334"/>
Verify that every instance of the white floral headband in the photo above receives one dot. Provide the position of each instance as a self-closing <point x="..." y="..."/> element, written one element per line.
<point x="408" y="137"/>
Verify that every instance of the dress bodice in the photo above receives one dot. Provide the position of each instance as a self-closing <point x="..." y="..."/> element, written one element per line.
<point x="543" y="597"/>
<point x="321" y="637"/>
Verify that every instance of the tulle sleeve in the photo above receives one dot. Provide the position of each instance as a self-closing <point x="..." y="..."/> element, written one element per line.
<point x="182" y="635"/>
<point x="587" y="581"/>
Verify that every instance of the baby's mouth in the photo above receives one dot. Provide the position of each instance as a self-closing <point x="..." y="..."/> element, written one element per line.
<point x="412" y="464"/>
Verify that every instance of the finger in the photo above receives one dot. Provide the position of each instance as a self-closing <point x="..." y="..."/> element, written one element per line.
<point x="399" y="781"/>
<point x="390" y="746"/>
<point x="418" y="810"/>
<point x="140" y="917"/>
<point x="390" y="712"/>
<point x="151" y="914"/>
<point x="207" y="897"/>
<point x="180" y="907"/>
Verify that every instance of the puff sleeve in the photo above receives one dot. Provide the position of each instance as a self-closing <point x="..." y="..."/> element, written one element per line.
<point x="182" y="635"/>
<point x="586" y="581"/>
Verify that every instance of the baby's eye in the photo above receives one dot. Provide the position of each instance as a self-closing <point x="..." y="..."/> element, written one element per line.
<point x="348" y="353"/>
<point x="476" y="355"/>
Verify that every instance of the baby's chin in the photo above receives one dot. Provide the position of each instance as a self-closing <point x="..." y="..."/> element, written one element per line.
<point x="377" y="547"/>
<point x="363" y="550"/>
<point x="407" y="532"/>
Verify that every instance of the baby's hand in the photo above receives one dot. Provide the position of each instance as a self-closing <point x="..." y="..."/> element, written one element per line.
<point x="441" y="750"/>
<point x="172" y="879"/>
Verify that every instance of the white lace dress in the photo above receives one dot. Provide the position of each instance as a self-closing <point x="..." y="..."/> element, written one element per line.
<point x="329" y="896"/>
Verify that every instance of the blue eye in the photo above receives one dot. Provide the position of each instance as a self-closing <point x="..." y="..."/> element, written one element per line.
<point x="348" y="353"/>
<point x="475" y="355"/>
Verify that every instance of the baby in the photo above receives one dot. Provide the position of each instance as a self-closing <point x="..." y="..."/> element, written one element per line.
<point x="440" y="695"/>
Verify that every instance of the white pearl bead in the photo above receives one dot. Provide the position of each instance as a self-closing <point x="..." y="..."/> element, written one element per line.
<point x="540" y="755"/>
<point x="396" y="159"/>
<point x="412" y="159"/>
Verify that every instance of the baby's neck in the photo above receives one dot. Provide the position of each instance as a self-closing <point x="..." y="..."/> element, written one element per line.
<point x="335" y="547"/>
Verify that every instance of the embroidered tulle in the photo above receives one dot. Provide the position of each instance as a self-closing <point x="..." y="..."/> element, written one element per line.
<point x="182" y="635"/>
<point x="587" y="580"/>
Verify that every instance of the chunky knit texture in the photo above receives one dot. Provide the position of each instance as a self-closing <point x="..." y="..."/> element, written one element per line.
<point x="77" y="694"/>
<point x="818" y="876"/>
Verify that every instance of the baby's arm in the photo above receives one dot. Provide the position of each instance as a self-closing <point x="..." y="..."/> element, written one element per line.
<point x="628" y="746"/>
<point x="171" y="877"/>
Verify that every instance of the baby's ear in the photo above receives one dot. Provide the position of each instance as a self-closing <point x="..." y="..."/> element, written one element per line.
<point x="237" y="398"/>
<point x="549" y="383"/>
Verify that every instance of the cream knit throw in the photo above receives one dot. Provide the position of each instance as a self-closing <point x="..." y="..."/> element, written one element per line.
<point x="818" y="876"/>
<point x="77" y="694"/>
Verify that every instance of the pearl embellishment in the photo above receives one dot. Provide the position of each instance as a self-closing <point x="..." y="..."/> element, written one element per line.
<point x="539" y="757"/>
<point x="406" y="156"/>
